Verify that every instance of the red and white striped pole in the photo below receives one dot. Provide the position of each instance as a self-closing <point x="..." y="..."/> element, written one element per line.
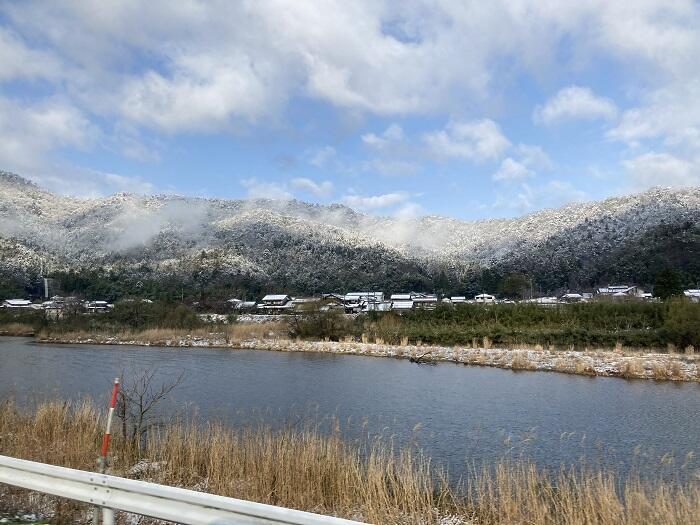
<point x="107" y="436"/>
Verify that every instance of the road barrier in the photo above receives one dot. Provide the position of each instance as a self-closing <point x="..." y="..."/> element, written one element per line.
<point x="113" y="493"/>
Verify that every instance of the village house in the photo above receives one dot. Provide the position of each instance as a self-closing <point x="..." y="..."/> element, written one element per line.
<point x="96" y="307"/>
<point x="239" y="305"/>
<point x="572" y="298"/>
<point x="401" y="305"/>
<point x="623" y="292"/>
<point x="458" y="299"/>
<point x="17" y="303"/>
<point x="332" y="301"/>
<point x="617" y="291"/>
<point x="233" y="302"/>
<point x="693" y="294"/>
<point x="53" y="308"/>
<point x="363" y="301"/>
<point x="305" y="303"/>
<point x="401" y="302"/>
<point x="413" y="300"/>
<point x="484" y="298"/>
<point x="425" y="301"/>
<point x="276" y="303"/>
<point x="542" y="301"/>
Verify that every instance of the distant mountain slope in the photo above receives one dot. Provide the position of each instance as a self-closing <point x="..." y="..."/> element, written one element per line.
<point x="311" y="248"/>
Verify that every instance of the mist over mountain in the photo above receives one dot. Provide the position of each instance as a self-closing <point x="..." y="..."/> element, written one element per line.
<point x="126" y="242"/>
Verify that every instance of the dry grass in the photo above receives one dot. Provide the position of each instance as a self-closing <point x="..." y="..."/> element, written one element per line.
<point x="521" y="361"/>
<point x="584" y="368"/>
<point x="16" y="329"/>
<point x="228" y="334"/>
<point x="667" y="370"/>
<point x="310" y="471"/>
<point x="247" y="331"/>
<point x="632" y="368"/>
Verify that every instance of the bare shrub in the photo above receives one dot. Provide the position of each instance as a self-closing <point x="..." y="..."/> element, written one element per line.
<point x="521" y="361"/>
<point x="659" y="370"/>
<point x="137" y="405"/>
<point x="674" y="370"/>
<point x="583" y="367"/>
<point x="632" y="368"/>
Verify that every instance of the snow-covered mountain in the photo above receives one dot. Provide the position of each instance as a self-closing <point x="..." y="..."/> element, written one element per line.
<point x="312" y="248"/>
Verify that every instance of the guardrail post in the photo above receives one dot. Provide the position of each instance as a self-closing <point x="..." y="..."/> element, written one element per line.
<point x="107" y="516"/>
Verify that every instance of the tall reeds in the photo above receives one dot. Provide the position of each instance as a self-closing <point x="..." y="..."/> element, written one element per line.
<point x="308" y="470"/>
<point x="223" y="334"/>
<point x="16" y="329"/>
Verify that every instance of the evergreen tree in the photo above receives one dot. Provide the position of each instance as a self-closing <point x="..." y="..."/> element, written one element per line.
<point x="667" y="284"/>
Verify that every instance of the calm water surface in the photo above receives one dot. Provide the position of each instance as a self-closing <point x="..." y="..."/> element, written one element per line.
<point x="458" y="415"/>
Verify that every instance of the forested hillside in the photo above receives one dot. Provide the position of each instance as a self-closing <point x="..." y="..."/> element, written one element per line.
<point x="171" y="246"/>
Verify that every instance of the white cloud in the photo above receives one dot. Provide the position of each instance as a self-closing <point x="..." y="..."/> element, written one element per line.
<point x="391" y="167"/>
<point x="69" y="180"/>
<point x="19" y="61"/>
<point x="205" y="67"/>
<point x="575" y="103"/>
<point x="672" y="112"/>
<point x="320" y="189"/>
<point x="212" y="63"/>
<point x="31" y="132"/>
<point x="409" y="210"/>
<point x="258" y="189"/>
<point x="202" y="94"/>
<point x="526" y="197"/>
<point x="534" y="157"/>
<point x="375" y="202"/>
<point x="511" y="170"/>
<point x="661" y="169"/>
<point x="323" y="157"/>
<point x="389" y="137"/>
<point x="475" y="140"/>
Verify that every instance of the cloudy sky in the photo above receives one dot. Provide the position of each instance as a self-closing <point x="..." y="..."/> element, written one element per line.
<point x="465" y="108"/>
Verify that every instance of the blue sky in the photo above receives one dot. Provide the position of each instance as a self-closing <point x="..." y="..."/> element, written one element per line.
<point x="466" y="109"/>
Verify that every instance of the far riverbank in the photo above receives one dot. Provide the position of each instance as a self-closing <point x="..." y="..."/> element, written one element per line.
<point x="607" y="363"/>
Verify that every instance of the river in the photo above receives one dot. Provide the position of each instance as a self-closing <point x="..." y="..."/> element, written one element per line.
<point x="458" y="415"/>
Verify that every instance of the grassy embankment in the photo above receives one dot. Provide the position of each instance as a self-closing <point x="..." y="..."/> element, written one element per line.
<point x="322" y="473"/>
<point x="675" y="324"/>
<point x="17" y="329"/>
<point x="619" y="339"/>
<point x="592" y="325"/>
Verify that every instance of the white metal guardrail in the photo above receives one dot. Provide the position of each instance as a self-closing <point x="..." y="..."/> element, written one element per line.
<point x="113" y="493"/>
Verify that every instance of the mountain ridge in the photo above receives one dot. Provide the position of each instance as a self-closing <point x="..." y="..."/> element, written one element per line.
<point x="310" y="247"/>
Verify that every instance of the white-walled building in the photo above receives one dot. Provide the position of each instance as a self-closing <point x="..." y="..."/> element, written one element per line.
<point x="484" y="298"/>
<point x="17" y="303"/>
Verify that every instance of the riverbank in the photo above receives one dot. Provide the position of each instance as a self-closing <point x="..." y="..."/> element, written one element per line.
<point x="307" y="470"/>
<point x="16" y="330"/>
<point x="608" y="363"/>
